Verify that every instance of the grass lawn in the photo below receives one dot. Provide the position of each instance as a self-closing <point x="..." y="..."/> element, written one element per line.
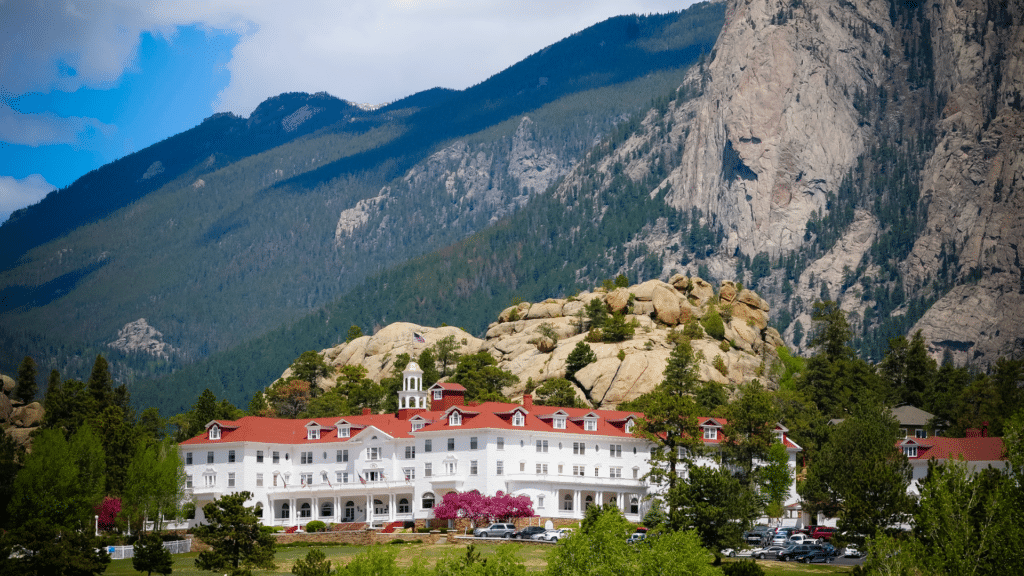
<point x="534" y="556"/>
<point x="185" y="564"/>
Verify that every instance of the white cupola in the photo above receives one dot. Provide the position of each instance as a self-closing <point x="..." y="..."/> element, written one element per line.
<point x="412" y="396"/>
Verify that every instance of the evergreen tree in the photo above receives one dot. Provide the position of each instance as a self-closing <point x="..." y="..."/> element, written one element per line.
<point x="557" y="392"/>
<point x="314" y="564"/>
<point x="119" y="439"/>
<point x="12" y="456"/>
<point x="447" y="352"/>
<point x="311" y="367"/>
<point x="237" y="539"/>
<point x="101" y="385"/>
<point x="68" y="405"/>
<point x="353" y="333"/>
<point x="48" y="549"/>
<point x="581" y="356"/>
<point x="483" y="380"/>
<point x="428" y="363"/>
<point x="27" y="385"/>
<point x="151" y="555"/>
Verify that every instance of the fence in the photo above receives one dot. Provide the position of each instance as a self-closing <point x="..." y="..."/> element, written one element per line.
<point x="122" y="552"/>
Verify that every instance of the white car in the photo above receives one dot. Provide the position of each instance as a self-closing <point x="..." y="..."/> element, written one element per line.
<point x="555" y="534"/>
<point x="851" y="552"/>
<point x="733" y="552"/>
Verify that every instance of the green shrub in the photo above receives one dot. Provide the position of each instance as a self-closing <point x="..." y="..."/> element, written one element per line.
<point x="724" y="346"/>
<point x="621" y="355"/>
<point x="513" y="315"/>
<point x="713" y="324"/>
<point x="742" y="568"/>
<point x="692" y="330"/>
<point x="316" y="526"/>
<point x="719" y="364"/>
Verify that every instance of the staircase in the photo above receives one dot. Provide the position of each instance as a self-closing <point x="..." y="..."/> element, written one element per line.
<point x="391" y="527"/>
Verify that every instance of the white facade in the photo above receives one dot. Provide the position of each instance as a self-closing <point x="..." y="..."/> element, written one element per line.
<point x="396" y="467"/>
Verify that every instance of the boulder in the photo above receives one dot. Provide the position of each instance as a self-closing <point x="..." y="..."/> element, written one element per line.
<point x="28" y="416"/>
<point x="773" y="338"/>
<point x="666" y="305"/>
<point x="638" y="374"/>
<point x="749" y="307"/>
<point x="645" y="290"/>
<point x="5" y="408"/>
<point x="570" y="309"/>
<point x="596" y="378"/>
<point x="22" y="437"/>
<point x="618" y="299"/>
<point x="727" y="292"/>
<point x="679" y="282"/>
<point x="701" y="291"/>
<point x="9" y="384"/>
<point x="544" y="310"/>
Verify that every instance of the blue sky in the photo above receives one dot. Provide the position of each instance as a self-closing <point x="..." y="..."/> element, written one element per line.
<point x="84" y="82"/>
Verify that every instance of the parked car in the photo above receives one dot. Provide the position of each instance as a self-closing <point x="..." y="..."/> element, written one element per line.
<point x="768" y="551"/>
<point x="636" y="537"/>
<point x="796" y="550"/>
<point x="802" y="539"/>
<point x="556" y="534"/>
<point x="823" y="532"/>
<point x="496" y="531"/>
<point x="813" y="556"/>
<point x="851" y="552"/>
<point x="529" y="533"/>
<point x="756" y="534"/>
<point x="741" y="552"/>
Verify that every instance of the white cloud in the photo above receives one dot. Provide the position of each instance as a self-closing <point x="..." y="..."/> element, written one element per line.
<point x="16" y="193"/>
<point x="361" y="50"/>
<point x="48" y="128"/>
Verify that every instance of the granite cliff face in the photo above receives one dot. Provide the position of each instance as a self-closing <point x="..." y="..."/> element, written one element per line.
<point x="870" y="150"/>
<point x="623" y="370"/>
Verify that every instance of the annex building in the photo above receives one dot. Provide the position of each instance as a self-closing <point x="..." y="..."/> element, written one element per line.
<point x="381" y="468"/>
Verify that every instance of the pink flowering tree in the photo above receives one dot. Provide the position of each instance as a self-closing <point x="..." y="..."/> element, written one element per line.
<point x="108" y="511"/>
<point x="483" y="509"/>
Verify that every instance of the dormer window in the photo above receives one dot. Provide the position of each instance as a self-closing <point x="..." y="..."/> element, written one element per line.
<point x="629" y="427"/>
<point x="455" y="419"/>
<point x="416" y="426"/>
<point x="214" y="432"/>
<point x="910" y="451"/>
<point x="780" y="436"/>
<point x="590" y="424"/>
<point x="710" y="433"/>
<point x="313" y="434"/>
<point x="437" y="394"/>
<point x="518" y="419"/>
<point x="559" y="423"/>
<point x="344" y="432"/>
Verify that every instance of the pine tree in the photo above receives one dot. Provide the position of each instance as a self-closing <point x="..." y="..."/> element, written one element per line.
<point x="235" y="535"/>
<point x="27" y="386"/>
<point x="581" y="356"/>
<point x="151" y="556"/>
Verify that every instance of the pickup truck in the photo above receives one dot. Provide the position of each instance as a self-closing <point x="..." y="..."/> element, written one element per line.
<point x="823" y="533"/>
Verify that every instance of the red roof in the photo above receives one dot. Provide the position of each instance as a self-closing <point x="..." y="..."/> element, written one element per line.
<point x="970" y="449"/>
<point x="285" y="431"/>
<point x="449" y="386"/>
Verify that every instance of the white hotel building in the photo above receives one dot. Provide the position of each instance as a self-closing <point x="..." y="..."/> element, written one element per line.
<point x="382" y="468"/>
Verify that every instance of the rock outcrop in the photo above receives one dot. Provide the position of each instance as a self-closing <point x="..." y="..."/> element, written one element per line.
<point x="139" y="336"/>
<point x="18" y="420"/>
<point x="623" y="370"/>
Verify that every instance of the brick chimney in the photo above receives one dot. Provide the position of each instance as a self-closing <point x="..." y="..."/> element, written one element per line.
<point x="366" y="412"/>
<point x="527" y="400"/>
<point x="984" y="429"/>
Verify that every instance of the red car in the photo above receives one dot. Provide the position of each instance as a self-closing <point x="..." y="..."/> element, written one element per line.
<point x="823" y="533"/>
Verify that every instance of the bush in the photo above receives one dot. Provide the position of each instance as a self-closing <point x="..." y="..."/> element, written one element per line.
<point x="713" y="324"/>
<point x="724" y="346"/>
<point x="719" y="364"/>
<point x="692" y="330"/>
<point x="316" y="526"/>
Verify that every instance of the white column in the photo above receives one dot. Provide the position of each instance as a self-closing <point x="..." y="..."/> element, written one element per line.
<point x="391" y="507"/>
<point x="576" y="503"/>
<point x="369" y="507"/>
<point x="599" y="499"/>
<point x="293" y="514"/>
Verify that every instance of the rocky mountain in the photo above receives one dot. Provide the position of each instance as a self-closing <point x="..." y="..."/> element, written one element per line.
<point x="521" y="340"/>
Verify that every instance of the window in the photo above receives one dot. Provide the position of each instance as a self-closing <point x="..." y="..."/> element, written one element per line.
<point x="451" y="467"/>
<point x="910" y="451"/>
<point x="327" y="509"/>
<point x="472" y="468"/>
<point x="451" y="444"/>
<point x="306" y="478"/>
<point x="214" y="432"/>
<point x="920" y="433"/>
<point x="590" y="424"/>
<point x="323" y="478"/>
<point x="780" y="436"/>
<point x="542" y="468"/>
<point x="903" y="432"/>
<point x="259" y="456"/>
<point x="410" y="474"/>
<point x="455" y="419"/>
<point x="427" y="470"/>
<point x="403" y="506"/>
<point x="374" y="475"/>
<point x="636" y="473"/>
<point x="559" y="423"/>
<point x="540" y="501"/>
<point x="629" y="427"/>
<point x="345" y="432"/>
<point x="437" y="394"/>
<point x="188" y="481"/>
<point x="518" y="419"/>
<point x="578" y="470"/>
<point x="597" y="470"/>
<point x="615" y="450"/>
<point x="410" y="452"/>
<point x="211" y="480"/>
<point x="305" y="511"/>
<point x="341" y="477"/>
<point x="567" y="502"/>
<point x="209" y="457"/>
<point x="373" y="453"/>
<point x="634" y="505"/>
<point x="306" y="457"/>
<point x="560" y="468"/>
<point x="341" y="456"/>
<point x="579" y="448"/>
<point x="277" y="457"/>
<point x="285" y="510"/>
<point x="428" y="500"/>
<point x="501" y="443"/>
<point x="426" y="445"/>
<point x="615" y="472"/>
<point x="501" y="468"/>
<point x="259" y="479"/>
<point x="472" y="443"/>
<point x="188" y="458"/>
<point x="313" y="434"/>
<point x="416" y="426"/>
<point x="542" y="445"/>
<point x="710" y="433"/>
<point x="231" y="479"/>
<point x="681" y="453"/>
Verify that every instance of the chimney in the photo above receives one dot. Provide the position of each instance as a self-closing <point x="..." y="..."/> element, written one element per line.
<point x="984" y="429"/>
<point x="366" y="411"/>
<point x="527" y="400"/>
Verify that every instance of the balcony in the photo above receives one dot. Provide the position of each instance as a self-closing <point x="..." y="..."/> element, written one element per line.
<point x="299" y="489"/>
<point x="577" y="482"/>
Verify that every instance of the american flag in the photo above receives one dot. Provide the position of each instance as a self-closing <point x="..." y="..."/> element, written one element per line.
<point x="417" y="338"/>
<point x="361" y="479"/>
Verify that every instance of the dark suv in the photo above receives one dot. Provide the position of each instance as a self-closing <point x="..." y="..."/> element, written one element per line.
<point x="529" y="533"/>
<point x="797" y="550"/>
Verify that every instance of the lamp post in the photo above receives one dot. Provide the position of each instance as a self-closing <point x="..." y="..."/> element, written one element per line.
<point x="97" y="525"/>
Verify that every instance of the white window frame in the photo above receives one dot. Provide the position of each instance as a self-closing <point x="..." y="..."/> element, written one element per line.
<point x="615" y="450"/>
<point x="373" y="453"/>
<point x="542" y="446"/>
<point x="313" y="434"/>
<point x="579" y="448"/>
<point x="500" y="471"/>
<point x="474" y="467"/>
<point x="518" y="419"/>
<point x="214" y="432"/>
<point x="473" y="443"/>
<point x="410" y="452"/>
<point x="558" y="423"/>
<point x="188" y="481"/>
<point x="590" y="424"/>
<point x="231" y="479"/>
<point x="345" y="432"/>
<point x="428" y="445"/>
<point x="542" y="468"/>
<point x="259" y="479"/>
<point x="410" y="473"/>
<point x="438" y="394"/>
<point x="910" y="451"/>
<point x="500" y="442"/>
<point x="341" y="456"/>
<point x="615" y="472"/>
<point x="921" y="433"/>
<point x="710" y="433"/>
<point x="455" y="419"/>
<point x="428" y="470"/>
